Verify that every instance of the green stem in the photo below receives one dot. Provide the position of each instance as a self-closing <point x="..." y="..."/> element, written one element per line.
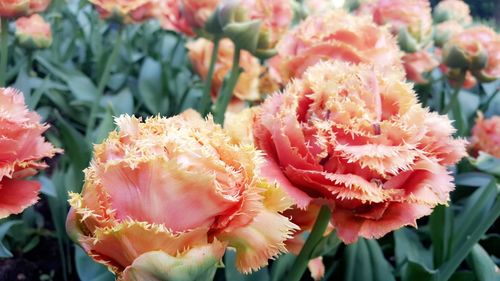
<point x="227" y="91"/>
<point x="316" y="235"/>
<point x="453" y="100"/>
<point x="205" y="99"/>
<point x="4" y="51"/>
<point x="103" y="82"/>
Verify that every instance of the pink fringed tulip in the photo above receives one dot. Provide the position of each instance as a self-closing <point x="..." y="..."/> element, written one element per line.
<point x="175" y="191"/>
<point x="33" y="32"/>
<point x="19" y="8"/>
<point x="486" y="135"/>
<point x="335" y="35"/>
<point x="22" y="148"/>
<point x="417" y="64"/>
<point x="358" y="141"/>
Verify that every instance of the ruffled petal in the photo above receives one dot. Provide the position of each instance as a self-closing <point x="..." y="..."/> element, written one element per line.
<point x="17" y="195"/>
<point x="264" y="238"/>
<point x="198" y="263"/>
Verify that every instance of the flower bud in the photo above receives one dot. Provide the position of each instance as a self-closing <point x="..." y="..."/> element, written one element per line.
<point x="444" y="31"/>
<point x="38" y="6"/>
<point x="452" y="10"/>
<point x="33" y="32"/>
<point x="125" y="11"/>
<point x="486" y="135"/>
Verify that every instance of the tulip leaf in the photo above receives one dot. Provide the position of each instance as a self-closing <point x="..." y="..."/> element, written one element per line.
<point x="88" y="270"/>
<point x="366" y="262"/>
<point x="4" y="229"/>
<point x="150" y="87"/>
<point x="482" y="265"/>
<point x="487" y="163"/>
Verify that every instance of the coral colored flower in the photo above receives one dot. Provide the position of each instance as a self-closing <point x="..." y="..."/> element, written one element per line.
<point x="335" y="35"/>
<point x="167" y="186"/>
<point x="185" y="16"/>
<point x="417" y="64"/>
<point x="247" y="88"/>
<point x="476" y="49"/>
<point x="317" y="268"/>
<point x="126" y="11"/>
<point x="361" y="141"/>
<point x="454" y="10"/>
<point x="445" y="30"/>
<point x="22" y="148"/>
<point x="486" y="135"/>
<point x="14" y="8"/>
<point x="411" y="20"/>
<point x="33" y="32"/>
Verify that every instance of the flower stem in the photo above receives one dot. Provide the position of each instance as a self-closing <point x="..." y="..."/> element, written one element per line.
<point x="453" y="100"/>
<point x="103" y="82"/>
<point x="316" y="235"/>
<point x="4" y="51"/>
<point x="227" y="91"/>
<point x="205" y="99"/>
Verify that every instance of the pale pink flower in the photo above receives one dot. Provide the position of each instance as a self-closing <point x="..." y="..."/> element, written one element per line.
<point x="126" y="11"/>
<point x="454" y="10"/>
<point x="33" y="31"/>
<point x="417" y="64"/>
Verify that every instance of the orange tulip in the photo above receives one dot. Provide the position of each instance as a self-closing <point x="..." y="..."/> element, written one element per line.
<point x="19" y="8"/>
<point x="33" y="32"/>
<point x="22" y="148"/>
<point x="486" y="135"/>
<point x="247" y="88"/>
<point x="335" y="35"/>
<point x="180" y="183"/>
<point x="359" y="140"/>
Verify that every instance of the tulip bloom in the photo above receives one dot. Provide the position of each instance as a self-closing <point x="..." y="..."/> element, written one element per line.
<point x="417" y="64"/>
<point x="18" y="8"/>
<point x="476" y="49"/>
<point x="445" y="30"/>
<point x="486" y="135"/>
<point x="247" y="88"/>
<point x="125" y="11"/>
<point x="22" y="148"/>
<point x="33" y="32"/>
<point x="359" y="141"/>
<point x="410" y="20"/>
<point x="335" y="35"/>
<point x="454" y="10"/>
<point x="185" y="16"/>
<point x="158" y="190"/>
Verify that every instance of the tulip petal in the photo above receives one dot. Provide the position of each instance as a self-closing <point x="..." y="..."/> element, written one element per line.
<point x="262" y="239"/>
<point x="197" y="264"/>
<point x="16" y="195"/>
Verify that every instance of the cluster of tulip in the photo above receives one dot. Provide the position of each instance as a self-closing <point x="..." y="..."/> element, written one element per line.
<point x="336" y="132"/>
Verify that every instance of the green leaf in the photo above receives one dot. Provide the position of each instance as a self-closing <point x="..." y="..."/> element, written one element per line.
<point x="441" y="230"/>
<point x="48" y="187"/>
<point x="327" y="246"/>
<point x="281" y="266"/>
<point x="75" y="145"/>
<point x="150" y="87"/>
<point x="487" y="163"/>
<point x="88" y="270"/>
<point x="412" y="271"/>
<point x="232" y="274"/>
<point x="4" y="228"/>
<point x="366" y="262"/>
<point x="482" y="265"/>
<point x="107" y="125"/>
<point x="409" y="248"/>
